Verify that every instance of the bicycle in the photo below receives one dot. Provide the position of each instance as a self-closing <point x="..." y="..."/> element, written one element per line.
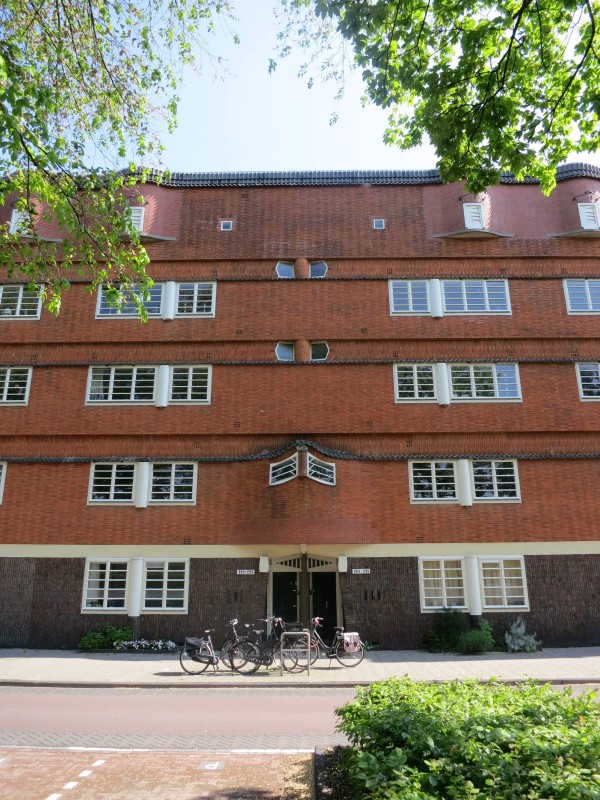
<point x="233" y="638"/>
<point x="252" y="652"/>
<point x="197" y="654"/>
<point x="349" y="653"/>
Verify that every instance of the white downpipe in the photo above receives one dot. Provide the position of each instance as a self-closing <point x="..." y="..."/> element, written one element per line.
<point x="472" y="585"/>
<point x="463" y="480"/>
<point x="141" y="488"/>
<point x="436" y="306"/>
<point x="135" y="580"/>
<point x="442" y="383"/>
<point x="161" y="392"/>
<point x="168" y="301"/>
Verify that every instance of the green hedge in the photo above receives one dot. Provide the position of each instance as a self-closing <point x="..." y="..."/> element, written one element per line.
<point x="459" y="740"/>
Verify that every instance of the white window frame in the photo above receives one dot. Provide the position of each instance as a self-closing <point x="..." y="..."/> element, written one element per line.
<point x="503" y="566"/>
<point x="445" y="582"/>
<point x="19" y="220"/>
<point x="191" y="401"/>
<point x="415" y="367"/>
<point x="4" y="386"/>
<point x="150" y="563"/>
<point x="281" y="267"/>
<point x="497" y="464"/>
<point x="410" y="284"/>
<point x="172" y="500"/>
<point x="3" y="468"/>
<point x="136" y="217"/>
<point x="120" y="400"/>
<point x="104" y="608"/>
<point x="578" y="368"/>
<point x="23" y="299"/>
<point x="104" y="311"/>
<point x="226" y="225"/>
<point x="320" y="471"/>
<point x="314" y="264"/>
<point x="288" y="467"/>
<point x="485" y="285"/>
<point x="111" y="500"/>
<point x="286" y="344"/>
<point x="474" y="216"/>
<point x="312" y="357"/>
<point x="198" y="286"/>
<point x="587" y="284"/>
<point x="474" y="398"/>
<point x="435" y="489"/>
<point x="589" y="216"/>
<point x="379" y="224"/>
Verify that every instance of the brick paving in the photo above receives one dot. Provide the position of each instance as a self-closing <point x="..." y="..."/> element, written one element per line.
<point x="28" y="774"/>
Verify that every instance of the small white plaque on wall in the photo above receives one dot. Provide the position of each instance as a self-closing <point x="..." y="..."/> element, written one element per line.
<point x="245" y="572"/>
<point x="361" y="571"/>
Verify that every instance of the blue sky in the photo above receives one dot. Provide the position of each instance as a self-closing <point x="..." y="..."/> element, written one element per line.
<point x="253" y="121"/>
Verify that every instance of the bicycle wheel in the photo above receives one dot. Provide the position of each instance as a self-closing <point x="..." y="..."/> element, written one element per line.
<point x="244" y="657"/>
<point x="225" y="652"/>
<point x="290" y="657"/>
<point x="349" y="659"/>
<point x="299" y="650"/>
<point x="189" y="659"/>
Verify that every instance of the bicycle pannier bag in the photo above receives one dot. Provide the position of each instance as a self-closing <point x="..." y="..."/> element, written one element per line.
<point x="351" y="642"/>
<point x="191" y="645"/>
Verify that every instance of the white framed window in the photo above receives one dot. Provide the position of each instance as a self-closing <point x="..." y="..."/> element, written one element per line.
<point x="484" y="382"/>
<point x="319" y="351"/>
<point x="432" y="481"/>
<point x="503" y="583"/>
<point x="14" y="385"/>
<point x="321" y="471"/>
<point x="111" y="483"/>
<point x="172" y="483"/>
<point x="442" y="583"/>
<point x="226" y="225"/>
<point x="283" y="471"/>
<point x="495" y="480"/>
<point x="475" y="297"/>
<point x="166" y="585"/>
<point x="105" y="585"/>
<point x="378" y="224"/>
<point x="588" y="380"/>
<point x="317" y="269"/>
<point x="409" y="297"/>
<point x="19" y="223"/>
<point x="588" y="216"/>
<point x="121" y="384"/>
<point x="16" y="302"/>
<point x="284" y="269"/>
<point x="582" y="296"/>
<point x="136" y="217"/>
<point x="474" y="216"/>
<point x="285" y="351"/>
<point x="190" y="384"/>
<point x="414" y="383"/>
<point x="152" y="304"/>
<point x="196" y="299"/>
<point x="3" y="468"/>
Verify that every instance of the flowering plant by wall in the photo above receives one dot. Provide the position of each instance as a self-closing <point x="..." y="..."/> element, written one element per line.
<point x="165" y="645"/>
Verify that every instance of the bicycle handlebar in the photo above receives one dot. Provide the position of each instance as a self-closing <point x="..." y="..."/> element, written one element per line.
<point x="316" y="621"/>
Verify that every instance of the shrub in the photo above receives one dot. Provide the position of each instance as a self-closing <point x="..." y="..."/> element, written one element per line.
<point x="104" y="638"/>
<point x="448" y="626"/>
<point x="418" y="741"/>
<point x="476" y="641"/>
<point x="517" y="641"/>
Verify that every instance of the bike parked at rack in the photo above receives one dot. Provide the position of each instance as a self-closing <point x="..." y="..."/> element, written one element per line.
<point x="198" y="654"/>
<point x="347" y="647"/>
<point x="258" y="650"/>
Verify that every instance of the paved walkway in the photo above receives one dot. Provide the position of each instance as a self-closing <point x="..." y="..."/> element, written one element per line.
<point x="71" y="668"/>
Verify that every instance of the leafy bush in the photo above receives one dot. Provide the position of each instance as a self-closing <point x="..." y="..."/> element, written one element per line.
<point x="448" y="626"/>
<point x="476" y="641"/>
<point x="517" y="641"/>
<point x="416" y="741"/>
<point x="104" y="638"/>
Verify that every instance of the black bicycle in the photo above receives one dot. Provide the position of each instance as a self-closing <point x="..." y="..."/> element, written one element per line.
<point x="257" y="650"/>
<point x="347" y="648"/>
<point x="198" y="654"/>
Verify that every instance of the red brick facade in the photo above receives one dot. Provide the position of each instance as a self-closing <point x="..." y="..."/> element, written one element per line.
<point x="344" y="410"/>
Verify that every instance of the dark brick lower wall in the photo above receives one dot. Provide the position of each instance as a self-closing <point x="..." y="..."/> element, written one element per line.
<point x="40" y="602"/>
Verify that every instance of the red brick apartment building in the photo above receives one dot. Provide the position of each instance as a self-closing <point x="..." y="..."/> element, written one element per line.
<point x="363" y="395"/>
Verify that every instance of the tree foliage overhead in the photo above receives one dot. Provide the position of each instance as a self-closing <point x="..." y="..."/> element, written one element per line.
<point x="86" y="85"/>
<point x="495" y="84"/>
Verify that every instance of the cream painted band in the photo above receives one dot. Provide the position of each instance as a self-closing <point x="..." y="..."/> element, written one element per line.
<point x="276" y="551"/>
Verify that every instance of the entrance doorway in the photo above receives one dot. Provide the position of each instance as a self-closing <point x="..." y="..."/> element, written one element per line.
<point x="303" y="586"/>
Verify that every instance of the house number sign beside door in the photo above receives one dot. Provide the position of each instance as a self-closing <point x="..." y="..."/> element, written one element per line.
<point x="361" y="571"/>
<point x="245" y="572"/>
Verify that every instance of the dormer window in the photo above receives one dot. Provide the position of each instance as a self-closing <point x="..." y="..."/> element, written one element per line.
<point x="19" y="221"/>
<point x="588" y="215"/>
<point x="136" y="217"/>
<point x="474" y="219"/>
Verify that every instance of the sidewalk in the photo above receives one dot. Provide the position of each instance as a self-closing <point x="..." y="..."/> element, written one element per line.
<point x="71" y="668"/>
